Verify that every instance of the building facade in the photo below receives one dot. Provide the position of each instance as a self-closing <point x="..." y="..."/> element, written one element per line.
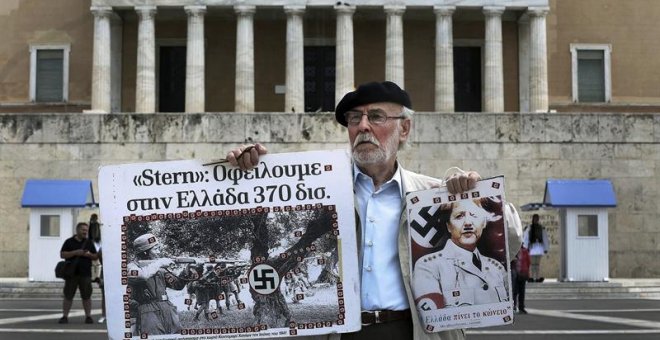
<point x="301" y="56"/>
<point x="247" y="66"/>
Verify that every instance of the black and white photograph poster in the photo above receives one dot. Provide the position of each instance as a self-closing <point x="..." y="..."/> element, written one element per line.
<point x="196" y="250"/>
<point x="458" y="256"/>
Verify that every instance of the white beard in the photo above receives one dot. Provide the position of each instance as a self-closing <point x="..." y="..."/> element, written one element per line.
<point x="380" y="155"/>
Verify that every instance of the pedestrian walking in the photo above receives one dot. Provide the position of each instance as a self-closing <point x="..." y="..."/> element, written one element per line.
<point x="519" y="276"/>
<point x="79" y="250"/>
<point x="535" y="239"/>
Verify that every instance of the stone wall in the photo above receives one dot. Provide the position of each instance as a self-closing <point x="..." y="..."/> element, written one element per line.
<point x="526" y="148"/>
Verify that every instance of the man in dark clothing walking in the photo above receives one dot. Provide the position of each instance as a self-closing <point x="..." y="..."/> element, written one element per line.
<point x="81" y="251"/>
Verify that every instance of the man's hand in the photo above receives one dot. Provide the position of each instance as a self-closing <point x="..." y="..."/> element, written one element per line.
<point x="460" y="182"/>
<point x="165" y="262"/>
<point x="246" y="157"/>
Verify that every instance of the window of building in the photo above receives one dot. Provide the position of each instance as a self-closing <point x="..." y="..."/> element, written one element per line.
<point x="591" y="73"/>
<point x="49" y="73"/>
<point x="587" y="225"/>
<point x="50" y="225"/>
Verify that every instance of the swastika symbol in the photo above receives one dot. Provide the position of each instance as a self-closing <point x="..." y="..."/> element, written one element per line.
<point x="430" y="224"/>
<point x="264" y="279"/>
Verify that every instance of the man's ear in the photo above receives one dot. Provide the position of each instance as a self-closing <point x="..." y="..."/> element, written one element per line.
<point x="405" y="129"/>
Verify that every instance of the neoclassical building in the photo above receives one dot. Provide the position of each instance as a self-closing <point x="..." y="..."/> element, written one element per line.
<point x="303" y="55"/>
<point x="531" y="89"/>
<point x="288" y="56"/>
<point x="321" y="50"/>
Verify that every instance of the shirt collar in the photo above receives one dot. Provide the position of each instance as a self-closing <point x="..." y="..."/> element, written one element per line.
<point x="396" y="178"/>
<point x="465" y="255"/>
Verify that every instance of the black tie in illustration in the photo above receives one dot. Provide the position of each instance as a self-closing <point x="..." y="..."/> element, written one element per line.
<point x="476" y="261"/>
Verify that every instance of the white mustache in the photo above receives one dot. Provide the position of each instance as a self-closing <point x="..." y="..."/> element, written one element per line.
<point x="365" y="137"/>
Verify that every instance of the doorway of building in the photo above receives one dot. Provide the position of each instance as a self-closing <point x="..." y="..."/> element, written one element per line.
<point x="467" y="79"/>
<point x="172" y="79"/>
<point x="319" y="78"/>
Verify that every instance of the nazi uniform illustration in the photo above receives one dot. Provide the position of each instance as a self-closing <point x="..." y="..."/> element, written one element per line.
<point x="452" y="278"/>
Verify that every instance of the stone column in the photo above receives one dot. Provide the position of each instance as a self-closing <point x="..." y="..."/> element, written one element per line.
<point x="444" y="59"/>
<point x="244" y="86"/>
<point x="344" y="60"/>
<point x="493" y="65"/>
<point x="116" y="39"/>
<point x="394" y="44"/>
<point x="195" y="62"/>
<point x="294" y="99"/>
<point x="523" y="63"/>
<point x="145" y="87"/>
<point x="538" y="62"/>
<point x="101" y="67"/>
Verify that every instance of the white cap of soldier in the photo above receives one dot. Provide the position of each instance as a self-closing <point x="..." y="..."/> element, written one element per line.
<point x="145" y="242"/>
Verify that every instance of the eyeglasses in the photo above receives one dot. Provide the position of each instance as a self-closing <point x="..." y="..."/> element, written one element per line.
<point x="375" y="117"/>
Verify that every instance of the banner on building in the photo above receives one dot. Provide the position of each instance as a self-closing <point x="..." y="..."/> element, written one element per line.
<point x="458" y="257"/>
<point x="195" y="251"/>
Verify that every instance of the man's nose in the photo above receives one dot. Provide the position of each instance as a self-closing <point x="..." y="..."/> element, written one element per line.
<point x="364" y="123"/>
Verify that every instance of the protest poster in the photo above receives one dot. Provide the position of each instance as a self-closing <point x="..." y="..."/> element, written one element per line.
<point x="208" y="251"/>
<point x="458" y="257"/>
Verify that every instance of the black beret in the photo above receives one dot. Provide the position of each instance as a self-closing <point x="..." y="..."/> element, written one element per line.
<point x="368" y="93"/>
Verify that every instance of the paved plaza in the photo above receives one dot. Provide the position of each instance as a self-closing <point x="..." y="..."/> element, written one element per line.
<point x="603" y="319"/>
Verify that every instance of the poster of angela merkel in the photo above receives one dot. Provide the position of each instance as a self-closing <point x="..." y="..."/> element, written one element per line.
<point x="459" y="266"/>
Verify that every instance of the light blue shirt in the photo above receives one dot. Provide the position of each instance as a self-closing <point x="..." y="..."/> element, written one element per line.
<point x="379" y="211"/>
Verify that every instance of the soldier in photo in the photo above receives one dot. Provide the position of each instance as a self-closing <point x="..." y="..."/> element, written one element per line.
<point x="227" y="276"/>
<point x="196" y="272"/>
<point x="294" y="285"/>
<point x="149" y="278"/>
<point x="206" y="289"/>
<point x="459" y="275"/>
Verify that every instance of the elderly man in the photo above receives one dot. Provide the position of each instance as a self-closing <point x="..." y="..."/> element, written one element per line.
<point x="459" y="275"/>
<point x="378" y="120"/>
